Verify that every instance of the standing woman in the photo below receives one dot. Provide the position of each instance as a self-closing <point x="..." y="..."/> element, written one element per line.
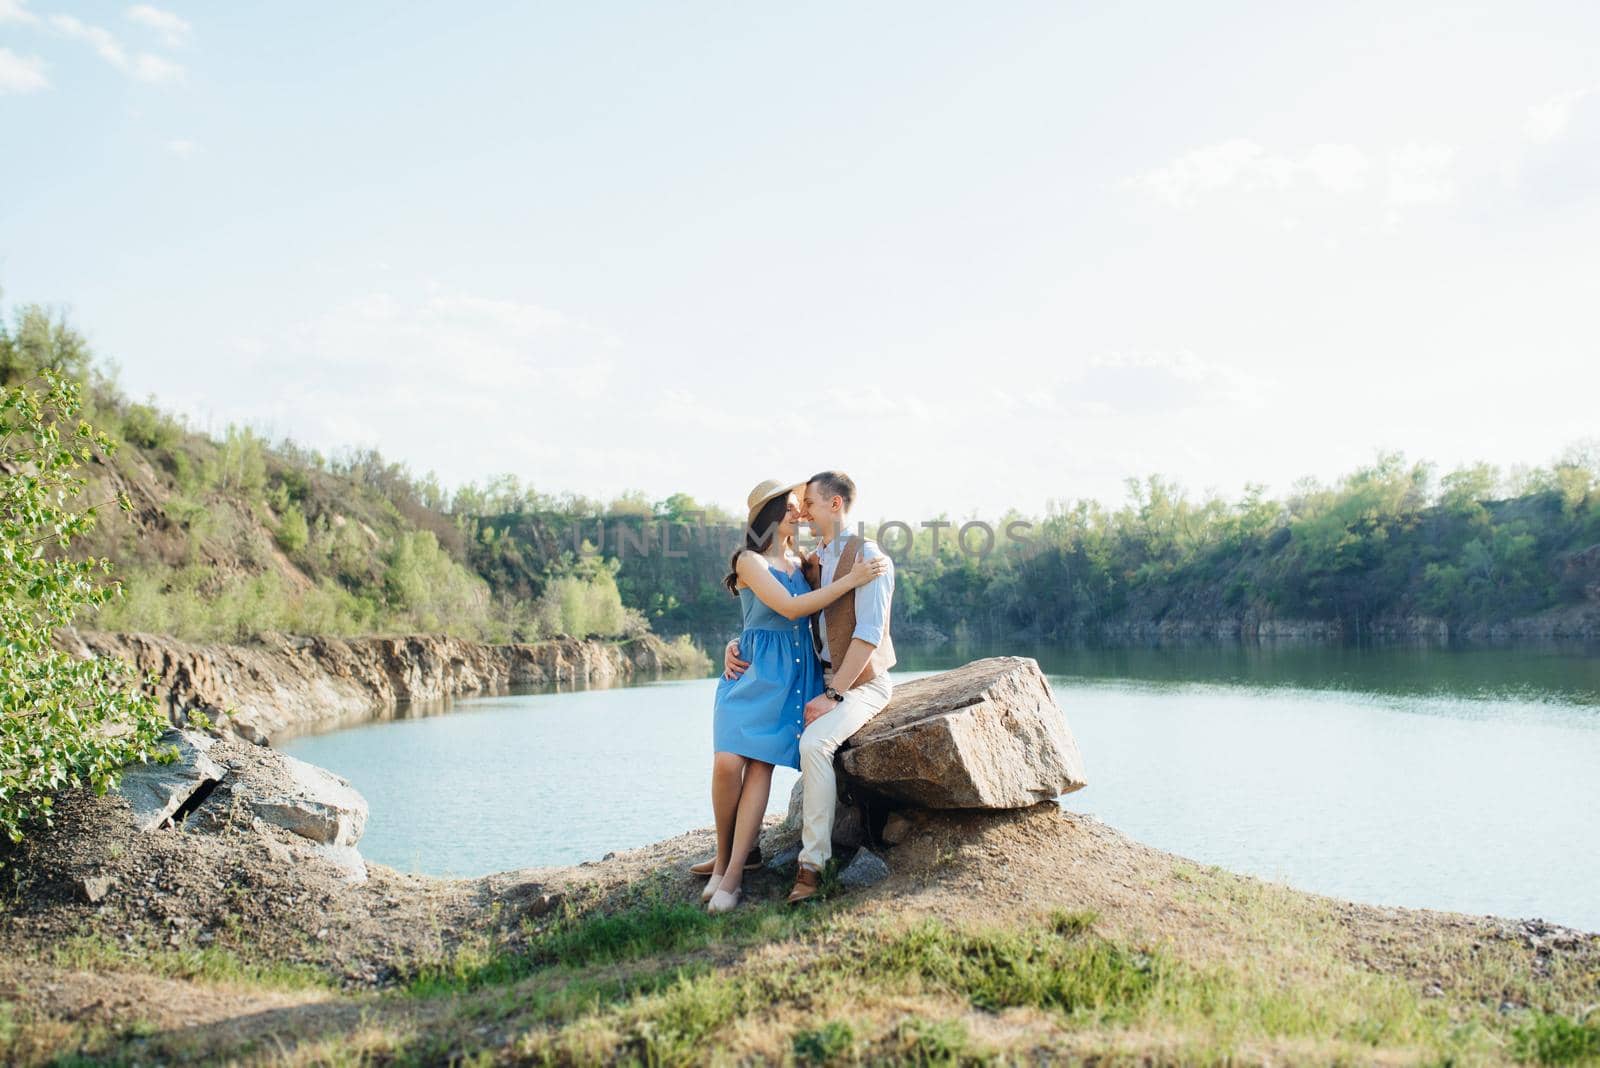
<point x="759" y="715"/>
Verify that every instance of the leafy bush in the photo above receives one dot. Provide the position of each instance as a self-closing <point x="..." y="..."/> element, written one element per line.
<point x="64" y="722"/>
<point x="824" y="1045"/>
<point x="1551" y="1038"/>
<point x="585" y="602"/>
<point x="143" y="425"/>
<point x="293" y="533"/>
<point x="190" y="603"/>
<point x="431" y="590"/>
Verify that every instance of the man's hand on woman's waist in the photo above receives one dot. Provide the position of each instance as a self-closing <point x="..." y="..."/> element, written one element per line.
<point x="732" y="666"/>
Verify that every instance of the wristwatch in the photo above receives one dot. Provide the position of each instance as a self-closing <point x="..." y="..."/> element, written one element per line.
<point x="833" y="695"/>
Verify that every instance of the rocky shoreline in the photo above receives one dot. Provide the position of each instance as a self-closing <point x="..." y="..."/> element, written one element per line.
<point x="278" y="685"/>
<point x="1579" y="624"/>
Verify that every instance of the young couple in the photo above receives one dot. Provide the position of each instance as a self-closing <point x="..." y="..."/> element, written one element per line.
<point x="793" y="690"/>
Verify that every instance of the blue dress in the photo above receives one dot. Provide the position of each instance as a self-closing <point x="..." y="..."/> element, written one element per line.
<point x="761" y="713"/>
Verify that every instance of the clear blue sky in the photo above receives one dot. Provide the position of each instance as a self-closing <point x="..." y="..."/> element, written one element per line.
<point x="977" y="255"/>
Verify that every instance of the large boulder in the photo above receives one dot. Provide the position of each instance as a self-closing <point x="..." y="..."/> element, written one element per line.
<point x="249" y="787"/>
<point x="313" y="803"/>
<point x="156" y="792"/>
<point x="988" y="735"/>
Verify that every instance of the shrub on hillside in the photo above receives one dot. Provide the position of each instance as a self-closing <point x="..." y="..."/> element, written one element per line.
<point x="585" y="602"/>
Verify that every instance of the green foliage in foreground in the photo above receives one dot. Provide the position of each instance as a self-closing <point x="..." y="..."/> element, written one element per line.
<point x="1551" y="1038"/>
<point x="64" y="722"/>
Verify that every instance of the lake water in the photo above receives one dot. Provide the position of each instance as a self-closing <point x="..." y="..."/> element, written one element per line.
<point x="1454" y="779"/>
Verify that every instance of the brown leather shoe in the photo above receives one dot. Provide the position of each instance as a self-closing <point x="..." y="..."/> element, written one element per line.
<point x="751" y="863"/>
<point x="806" y="883"/>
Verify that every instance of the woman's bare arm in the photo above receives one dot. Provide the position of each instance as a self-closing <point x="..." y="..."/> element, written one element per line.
<point x="752" y="571"/>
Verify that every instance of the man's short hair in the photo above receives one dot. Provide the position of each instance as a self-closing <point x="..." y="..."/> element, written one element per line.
<point x="835" y="484"/>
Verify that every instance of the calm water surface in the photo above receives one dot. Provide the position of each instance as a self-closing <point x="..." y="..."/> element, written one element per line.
<point x="1453" y="779"/>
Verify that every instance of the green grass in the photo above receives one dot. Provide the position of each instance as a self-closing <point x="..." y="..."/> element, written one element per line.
<point x="932" y="1042"/>
<point x="660" y="925"/>
<point x="663" y="1012"/>
<point x="207" y="963"/>
<point x="1551" y="1038"/>
<point x="831" y="1042"/>
<point x="1059" y="965"/>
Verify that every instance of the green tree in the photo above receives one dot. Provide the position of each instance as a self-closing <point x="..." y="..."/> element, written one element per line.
<point x="293" y="533"/>
<point x="64" y="722"/>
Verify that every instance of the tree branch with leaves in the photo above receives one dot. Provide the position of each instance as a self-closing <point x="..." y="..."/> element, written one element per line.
<point x="65" y="722"/>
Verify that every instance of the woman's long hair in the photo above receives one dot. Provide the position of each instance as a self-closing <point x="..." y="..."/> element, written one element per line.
<point x="757" y="536"/>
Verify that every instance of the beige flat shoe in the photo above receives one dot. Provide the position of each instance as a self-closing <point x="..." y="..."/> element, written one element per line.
<point x="723" y="901"/>
<point x="711" y="887"/>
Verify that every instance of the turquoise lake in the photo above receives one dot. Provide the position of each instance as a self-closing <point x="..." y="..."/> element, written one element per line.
<point x="1466" y="780"/>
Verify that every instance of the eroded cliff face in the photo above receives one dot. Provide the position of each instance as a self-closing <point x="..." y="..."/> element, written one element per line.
<point x="279" y="685"/>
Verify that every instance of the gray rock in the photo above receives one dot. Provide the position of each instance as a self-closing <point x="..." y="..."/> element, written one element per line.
<point x="95" y="888"/>
<point x="866" y="868"/>
<point x="848" y="829"/>
<point x="791" y="820"/>
<point x="156" y="791"/>
<point x="988" y="735"/>
<point x="313" y="803"/>
<point x="347" y="858"/>
<point x="783" y="863"/>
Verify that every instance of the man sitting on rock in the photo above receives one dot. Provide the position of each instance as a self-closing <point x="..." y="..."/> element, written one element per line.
<point x="857" y="653"/>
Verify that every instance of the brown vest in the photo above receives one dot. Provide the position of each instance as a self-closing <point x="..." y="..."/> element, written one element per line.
<point x="839" y="618"/>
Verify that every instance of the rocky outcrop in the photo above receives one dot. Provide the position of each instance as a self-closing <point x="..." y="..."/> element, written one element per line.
<point x="988" y="735"/>
<point x="251" y="790"/>
<point x="278" y="684"/>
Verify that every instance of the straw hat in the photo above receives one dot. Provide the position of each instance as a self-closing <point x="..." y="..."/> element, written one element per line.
<point x="767" y="490"/>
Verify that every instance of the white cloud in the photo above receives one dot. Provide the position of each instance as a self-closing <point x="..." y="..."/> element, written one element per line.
<point x="16" y="11"/>
<point x="460" y="383"/>
<point x="1420" y="175"/>
<point x="174" y="30"/>
<point x="450" y="345"/>
<point x="1130" y="385"/>
<point x="1234" y="164"/>
<point x="1157" y="383"/>
<point x="143" y="67"/>
<point x="872" y="400"/>
<point x="1340" y="168"/>
<point x="21" y="74"/>
<point x="154" y="69"/>
<point x="1548" y="121"/>
<point x="182" y="147"/>
<point x="1415" y="175"/>
<point x="1241" y="164"/>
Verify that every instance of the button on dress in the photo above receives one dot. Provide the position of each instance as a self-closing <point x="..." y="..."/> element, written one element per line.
<point x="761" y="714"/>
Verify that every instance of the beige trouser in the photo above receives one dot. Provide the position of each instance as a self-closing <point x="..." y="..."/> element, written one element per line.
<point x="817" y="745"/>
